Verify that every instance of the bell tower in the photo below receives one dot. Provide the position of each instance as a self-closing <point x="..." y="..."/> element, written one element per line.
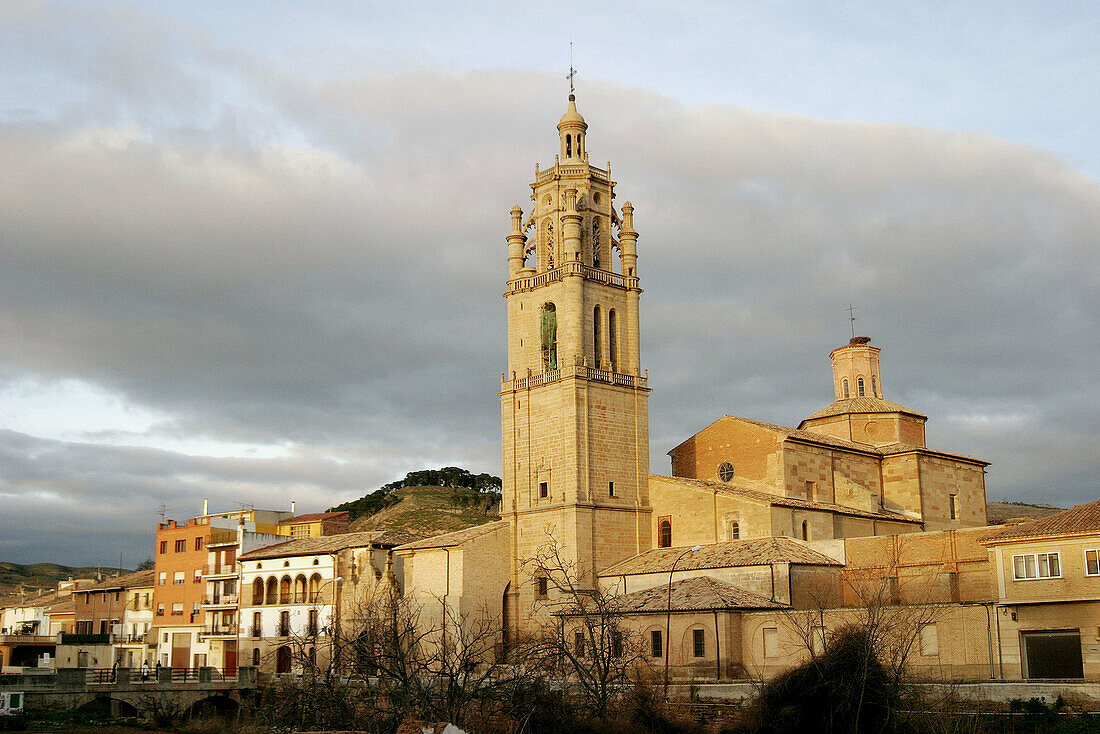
<point x="574" y="400"/>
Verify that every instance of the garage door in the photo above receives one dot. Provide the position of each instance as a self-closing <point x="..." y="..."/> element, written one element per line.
<point x="1052" y="654"/>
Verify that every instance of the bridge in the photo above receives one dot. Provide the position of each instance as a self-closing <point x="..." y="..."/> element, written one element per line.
<point x="122" y="692"/>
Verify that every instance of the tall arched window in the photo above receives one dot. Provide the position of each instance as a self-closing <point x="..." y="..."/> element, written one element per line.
<point x="284" y="590"/>
<point x="568" y="146"/>
<point x="300" y="589"/>
<point x="548" y="238"/>
<point x="596" y="335"/>
<point x="257" y="624"/>
<point x="859" y="386"/>
<point x="874" y="386"/>
<point x="612" y="341"/>
<point x="735" y="531"/>
<point x="256" y="657"/>
<point x="664" y="533"/>
<point x="258" y="591"/>
<point x="805" y="530"/>
<point x="596" y="243"/>
<point x="314" y="589"/>
<point x="272" y="591"/>
<point x="844" y="384"/>
<point x="548" y="331"/>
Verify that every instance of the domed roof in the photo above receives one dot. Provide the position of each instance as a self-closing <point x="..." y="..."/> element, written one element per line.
<point x="571" y="116"/>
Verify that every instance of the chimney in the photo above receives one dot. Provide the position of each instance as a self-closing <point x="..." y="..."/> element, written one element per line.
<point x="205" y="506"/>
<point x="292" y="507"/>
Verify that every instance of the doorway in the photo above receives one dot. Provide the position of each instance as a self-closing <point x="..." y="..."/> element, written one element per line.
<point x="1052" y="654"/>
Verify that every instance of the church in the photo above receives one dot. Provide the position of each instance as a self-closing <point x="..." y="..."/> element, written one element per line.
<point x="746" y="500"/>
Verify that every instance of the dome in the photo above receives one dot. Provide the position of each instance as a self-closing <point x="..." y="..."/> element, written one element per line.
<point x="572" y="118"/>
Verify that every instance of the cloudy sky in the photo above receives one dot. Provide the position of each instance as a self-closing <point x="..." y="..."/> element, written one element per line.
<point x="254" y="251"/>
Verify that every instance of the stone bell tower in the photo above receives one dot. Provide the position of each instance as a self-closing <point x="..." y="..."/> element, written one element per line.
<point x="574" y="401"/>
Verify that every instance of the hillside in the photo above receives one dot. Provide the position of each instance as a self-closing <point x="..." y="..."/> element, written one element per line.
<point x="998" y="512"/>
<point x="431" y="511"/>
<point x="35" y="576"/>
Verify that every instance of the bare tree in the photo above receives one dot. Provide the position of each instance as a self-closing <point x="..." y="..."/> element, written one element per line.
<point x="584" y="639"/>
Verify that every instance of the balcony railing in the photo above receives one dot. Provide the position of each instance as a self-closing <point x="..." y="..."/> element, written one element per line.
<point x="219" y="569"/>
<point x="220" y="629"/>
<point x="259" y="600"/>
<point x="220" y="600"/>
<point x="581" y="370"/>
<point x="598" y="275"/>
<point x="28" y="639"/>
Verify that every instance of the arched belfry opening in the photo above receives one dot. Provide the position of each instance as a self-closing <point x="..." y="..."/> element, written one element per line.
<point x="548" y="336"/>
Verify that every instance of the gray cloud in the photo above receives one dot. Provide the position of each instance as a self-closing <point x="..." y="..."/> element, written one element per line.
<point x="320" y="265"/>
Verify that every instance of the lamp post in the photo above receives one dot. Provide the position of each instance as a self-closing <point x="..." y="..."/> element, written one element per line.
<point x="668" y="614"/>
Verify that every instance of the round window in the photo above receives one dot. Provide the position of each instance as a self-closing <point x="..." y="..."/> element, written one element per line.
<point x="725" y="471"/>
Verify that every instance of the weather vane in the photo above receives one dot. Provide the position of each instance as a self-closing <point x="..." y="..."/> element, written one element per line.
<point x="572" y="72"/>
<point x="852" y="317"/>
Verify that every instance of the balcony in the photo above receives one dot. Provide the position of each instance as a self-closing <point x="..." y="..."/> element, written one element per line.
<point x="68" y="638"/>
<point x="221" y="600"/>
<point x="219" y="631"/>
<point x="223" y="570"/>
<point x="27" y="640"/>
<point x="580" y="370"/>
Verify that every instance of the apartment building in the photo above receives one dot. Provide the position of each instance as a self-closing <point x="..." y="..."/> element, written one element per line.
<point x="110" y="622"/>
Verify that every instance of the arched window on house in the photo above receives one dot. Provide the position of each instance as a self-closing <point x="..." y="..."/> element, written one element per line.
<point x="664" y="533"/>
<point x="612" y="341"/>
<point x="257" y="624"/>
<point x="568" y="146"/>
<point x="548" y="333"/>
<point x="282" y="660"/>
<point x="284" y="590"/>
<point x="272" y="591"/>
<point x="859" y="386"/>
<point x="596" y="335"/>
<point x="300" y="589"/>
<point x="735" y="531"/>
<point x="256" y="657"/>
<point x="258" y="591"/>
<point x="315" y="588"/>
<point x="844" y="385"/>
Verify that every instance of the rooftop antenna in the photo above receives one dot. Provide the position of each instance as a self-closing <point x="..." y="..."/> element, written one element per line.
<point x="572" y="72"/>
<point x="852" y="317"/>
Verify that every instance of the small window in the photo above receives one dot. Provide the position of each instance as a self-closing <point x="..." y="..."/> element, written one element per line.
<point x="578" y="644"/>
<point x="198" y="543"/>
<point x="805" y="529"/>
<point x="953" y="506"/>
<point x="874" y="386"/>
<point x="844" y="385"/>
<point x="771" y="642"/>
<point x="1092" y="563"/>
<point x="178" y="578"/>
<point x="177" y="608"/>
<point x="160" y="609"/>
<point x="929" y="640"/>
<point x="164" y="546"/>
<point x="181" y="545"/>
<point x="611" y="489"/>
<point x="616" y="643"/>
<point x="859" y="386"/>
<point x="198" y="575"/>
<point x="256" y="656"/>
<point x="735" y="530"/>
<point x="656" y="646"/>
<point x="725" y="471"/>
<point x="544" y="489"/>
<point x="664" y="533"/>
<point x="542" y="587"/>
<point x="699" y="643"/>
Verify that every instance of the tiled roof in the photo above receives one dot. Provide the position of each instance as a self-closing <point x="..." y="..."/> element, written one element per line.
<point x="129" y="581"/>
<point x="776" y="500"/>
<point x="1079" y="520"/>
<point x="456" y="537"/>
<point x="865" y="404"/>
<point x="821" y="439"/>
<point x="748" y="552"/>
<point x="315" y="516"/>
<point x="698" y="594"/>
<point x="330" y="544"/>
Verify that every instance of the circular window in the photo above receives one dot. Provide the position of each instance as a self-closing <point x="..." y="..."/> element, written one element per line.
<point x="725" y="471"/>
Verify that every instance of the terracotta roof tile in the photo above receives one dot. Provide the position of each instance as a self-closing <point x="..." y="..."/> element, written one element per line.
<point x="315" y="516"/>
<point x="698" y="594"/>
<point x="1079" y="520"/>
<point x="330" y="543"/>
<point x="865" y="404"/>
<point x="129" y="581"/>
<point x="735" y="490"/>
<point x="456" y="537"/>
<point x="748" y="552"/>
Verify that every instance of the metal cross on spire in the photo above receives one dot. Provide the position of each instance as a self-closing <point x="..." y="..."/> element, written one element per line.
<point x="572" y="72"/>
<point x="852" y="317"/>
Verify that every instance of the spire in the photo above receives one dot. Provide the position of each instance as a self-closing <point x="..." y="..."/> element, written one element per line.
<point x="571" y="129"/>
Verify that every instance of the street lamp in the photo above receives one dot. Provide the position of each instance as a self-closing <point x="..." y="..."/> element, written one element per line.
<point x="668" y="614"/>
